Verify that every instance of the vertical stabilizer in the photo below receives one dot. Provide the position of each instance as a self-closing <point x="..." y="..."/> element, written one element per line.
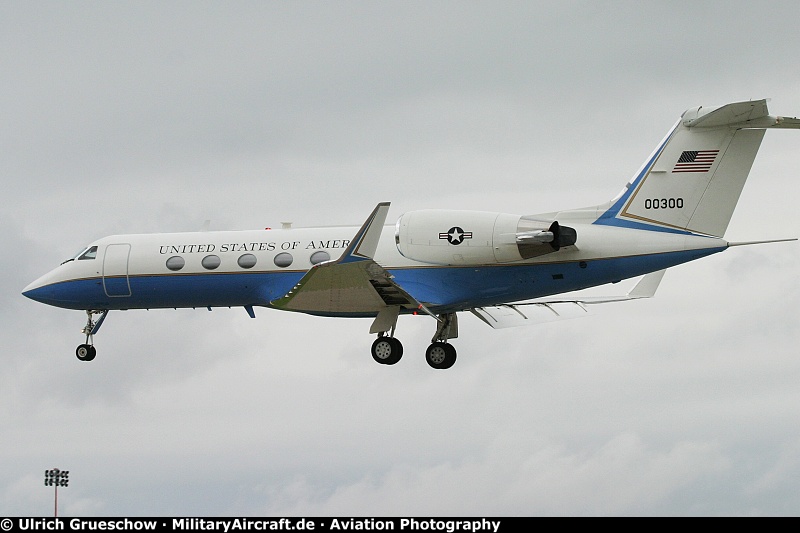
<point x="693" y="180"/>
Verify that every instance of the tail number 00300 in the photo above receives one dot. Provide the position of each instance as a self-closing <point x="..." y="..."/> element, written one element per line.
<point x="663" y="203"/>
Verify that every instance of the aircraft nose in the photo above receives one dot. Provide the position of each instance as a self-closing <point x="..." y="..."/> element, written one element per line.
<point x="62" y="289"/>
<point x="35" y="291"/>
<point x="48" y="289"/>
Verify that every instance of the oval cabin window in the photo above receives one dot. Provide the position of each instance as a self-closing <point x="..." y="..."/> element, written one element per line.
<point x="210" y="262"/>
<point x="283" y="259"/>
<point x="319" y="257"/>
<point x="247" y="261"/>
<point x="175" y="263"/>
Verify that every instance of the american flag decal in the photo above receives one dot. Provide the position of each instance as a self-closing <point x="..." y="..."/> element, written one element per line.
<point x="695" y="161"/>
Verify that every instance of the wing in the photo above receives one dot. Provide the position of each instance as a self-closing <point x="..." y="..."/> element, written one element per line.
<point x="550" y="309"/>
<point x="354" y="284"/>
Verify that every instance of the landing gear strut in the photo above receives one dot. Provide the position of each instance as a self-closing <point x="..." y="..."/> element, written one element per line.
<point x="440" y="354"/>
<point x="87" y="351"/>
<point x="386" y="350"/>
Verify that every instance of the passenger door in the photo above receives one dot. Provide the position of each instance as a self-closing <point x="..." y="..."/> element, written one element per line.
<point x="115" y="270"/>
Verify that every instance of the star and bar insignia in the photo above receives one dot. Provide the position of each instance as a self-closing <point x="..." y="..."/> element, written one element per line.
<point x="456" y="235"/>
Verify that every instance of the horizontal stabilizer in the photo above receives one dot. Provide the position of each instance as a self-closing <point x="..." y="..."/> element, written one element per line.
<point x="551" y="309"/>
<point x="751" y="114"/>
<point x="786" y="122"/>
<point x="748" y="243"/>
<point x="735" y="113"/>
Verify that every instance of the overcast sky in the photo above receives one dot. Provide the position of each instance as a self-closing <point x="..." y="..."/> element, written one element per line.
<point x="156" y="116"/>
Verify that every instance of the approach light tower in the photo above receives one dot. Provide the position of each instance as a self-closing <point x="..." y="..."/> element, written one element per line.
<point x="56" y="478"/>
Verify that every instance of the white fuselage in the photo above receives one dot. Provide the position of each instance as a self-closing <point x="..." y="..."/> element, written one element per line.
<point x="255" y="267"/>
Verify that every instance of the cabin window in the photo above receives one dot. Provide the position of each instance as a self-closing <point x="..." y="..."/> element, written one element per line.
<point x="210" y="262"/>
<point x="283" y="259"/>
<point x="175" y="263"/>
<point x="320" y="256"/>
<point x="91" y="253"/>
<point x="247" y="261"/>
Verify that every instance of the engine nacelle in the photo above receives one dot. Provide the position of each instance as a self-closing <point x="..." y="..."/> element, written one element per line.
<point x="445" y="237"/>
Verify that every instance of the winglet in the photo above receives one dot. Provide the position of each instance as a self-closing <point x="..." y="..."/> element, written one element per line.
<point x="646" y="288"/>
<point x="365" y="241"/>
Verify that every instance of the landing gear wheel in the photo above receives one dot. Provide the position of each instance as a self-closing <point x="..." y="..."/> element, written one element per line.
<point x="387" y="350"/>
<point x="440" y="355"/>
<point x="86" y="352"/>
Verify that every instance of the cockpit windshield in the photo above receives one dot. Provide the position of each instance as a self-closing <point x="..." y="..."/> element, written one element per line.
<point x="91" y="253"/>
<point x="85" y="253"/>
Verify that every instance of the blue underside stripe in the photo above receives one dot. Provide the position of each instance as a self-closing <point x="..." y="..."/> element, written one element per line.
<point x="445" y="288"/>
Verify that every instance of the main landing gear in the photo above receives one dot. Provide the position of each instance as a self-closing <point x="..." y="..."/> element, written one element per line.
<point x="440" y="355"/>
<point x="387" y="350"/>
<point x="87" y="351"/>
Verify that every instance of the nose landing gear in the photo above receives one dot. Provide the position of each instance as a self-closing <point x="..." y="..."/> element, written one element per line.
<point x="87" y="351"/>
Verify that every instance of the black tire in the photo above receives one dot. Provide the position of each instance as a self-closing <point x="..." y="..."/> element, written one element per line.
<point x="440" y="355"/>
<point x="387" y="350"/>
<point x="86" y="352"/>
<point x="451" y="356"/>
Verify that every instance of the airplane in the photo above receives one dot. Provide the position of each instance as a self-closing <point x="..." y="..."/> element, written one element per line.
<point x="506" y="269"/>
